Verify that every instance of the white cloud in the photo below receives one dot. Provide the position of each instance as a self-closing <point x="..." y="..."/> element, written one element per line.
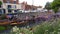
<point x="37" y="2"/>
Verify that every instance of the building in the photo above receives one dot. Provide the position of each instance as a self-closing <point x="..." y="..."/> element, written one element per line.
<point x="13" y="6"/>
<point x="39" y="8"/>
<point x="10" y="6"/>
<point x="26" y="6"/>
<point x="1" y="9"/>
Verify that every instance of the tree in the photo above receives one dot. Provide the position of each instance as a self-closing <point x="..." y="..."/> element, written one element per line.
<point x="0" y="3"/>
<point x="55" y="5"/>
<point x="48" y="6"/>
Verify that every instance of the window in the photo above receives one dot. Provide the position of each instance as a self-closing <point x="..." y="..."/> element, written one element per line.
<point x="9" y="11"/>
<point x="4" y="11"/>
<point x="14" y="2"/>
<point x="14" y="6"/>
<point x="0" y="11"/>
<point x="9" y="6"/>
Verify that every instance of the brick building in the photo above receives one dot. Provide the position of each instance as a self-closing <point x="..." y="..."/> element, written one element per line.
<point x="26" y="6"/>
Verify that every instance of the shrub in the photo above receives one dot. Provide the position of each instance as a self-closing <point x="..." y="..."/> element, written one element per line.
<point x="48" y="27"/>
<point x="17" y="30"/>
<point x="0" y="3"/>
<point x="3" y="17"/>
<point x="2" y="28"/>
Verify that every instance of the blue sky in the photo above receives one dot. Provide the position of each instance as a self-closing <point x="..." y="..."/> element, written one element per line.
<point x="36" y="2"/>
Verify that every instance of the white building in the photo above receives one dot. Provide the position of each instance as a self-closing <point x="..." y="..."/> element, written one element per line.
<point x="9" y="8"/>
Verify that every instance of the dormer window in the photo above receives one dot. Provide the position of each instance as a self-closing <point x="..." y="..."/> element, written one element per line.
<point x="14" y="2"/>
<point x="8" y="1"/>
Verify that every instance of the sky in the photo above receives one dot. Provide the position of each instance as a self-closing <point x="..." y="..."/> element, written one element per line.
<point x="36" y="2"/>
